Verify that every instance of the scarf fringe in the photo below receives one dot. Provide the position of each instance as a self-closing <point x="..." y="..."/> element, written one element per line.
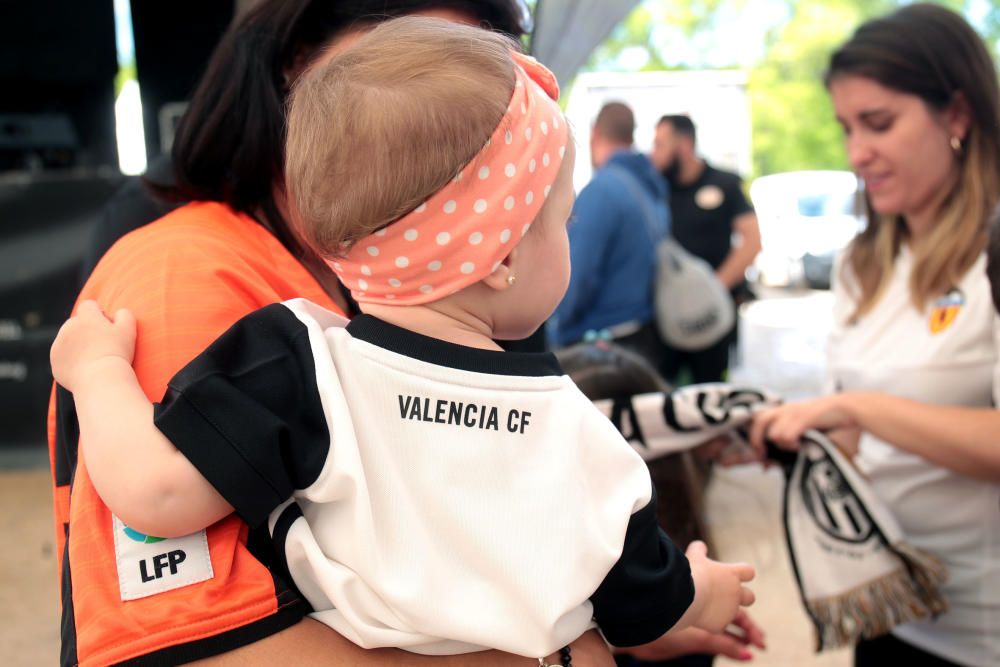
<point x="908" y="594"/>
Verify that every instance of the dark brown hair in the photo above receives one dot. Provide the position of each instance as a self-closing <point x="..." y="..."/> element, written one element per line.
<point x="608" y="371"/>
<point x="229" y="146"/>
<point x="681" y="125"/>
<point x="932" y="53"/>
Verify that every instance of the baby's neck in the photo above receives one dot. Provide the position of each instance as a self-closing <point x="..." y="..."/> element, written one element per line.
<point x="438" y="321"/>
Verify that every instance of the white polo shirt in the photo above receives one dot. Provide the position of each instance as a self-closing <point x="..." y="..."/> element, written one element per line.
<point x="946" y="353"/>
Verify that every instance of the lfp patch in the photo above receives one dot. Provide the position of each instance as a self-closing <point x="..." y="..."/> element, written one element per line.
<point x="149" y="565"/>
<point x="139" y="537"/>
<point x="945" y="310"/>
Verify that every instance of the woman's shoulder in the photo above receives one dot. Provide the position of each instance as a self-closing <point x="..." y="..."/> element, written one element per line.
<point x="198" y="226"/>
<point x="192" y="246"/>
<point x="197" y="236"/>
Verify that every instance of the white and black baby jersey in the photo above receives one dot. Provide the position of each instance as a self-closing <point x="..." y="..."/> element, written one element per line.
<point x="427" y="495"/>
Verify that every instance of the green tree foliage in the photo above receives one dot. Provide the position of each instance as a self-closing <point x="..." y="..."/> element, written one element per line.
<point x="633" y="35"/>
<point x="793" y="122"/>
<point x="792" y="118"/>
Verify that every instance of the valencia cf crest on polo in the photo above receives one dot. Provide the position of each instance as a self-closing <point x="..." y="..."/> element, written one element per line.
<point x="945" y="310"/>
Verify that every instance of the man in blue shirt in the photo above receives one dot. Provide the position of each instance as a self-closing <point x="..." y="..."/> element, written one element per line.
<point x="618" y="219"/>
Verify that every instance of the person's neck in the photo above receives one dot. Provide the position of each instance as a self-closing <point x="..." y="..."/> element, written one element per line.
<point x="608" y="151"/>
<point x="921" y="222"/>
<point x="691" y="170"/>
<point x="439" y="320"/>
<point x="918" y="227"/>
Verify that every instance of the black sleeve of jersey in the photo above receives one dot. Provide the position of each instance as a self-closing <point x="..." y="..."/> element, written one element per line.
<point x="648" y="589"/>
<point x="247" y="413"/>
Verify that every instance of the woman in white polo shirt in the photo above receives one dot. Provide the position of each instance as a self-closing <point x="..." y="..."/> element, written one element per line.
<point x="916" y="339"/>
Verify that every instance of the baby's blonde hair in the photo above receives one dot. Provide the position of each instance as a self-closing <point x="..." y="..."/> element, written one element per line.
<point x="377" y="130"/>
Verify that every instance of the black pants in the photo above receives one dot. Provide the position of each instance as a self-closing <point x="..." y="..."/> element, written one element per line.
<point x="708" y="365"/>
<point x="645" y="342"/>
<point x="889" y="651"/>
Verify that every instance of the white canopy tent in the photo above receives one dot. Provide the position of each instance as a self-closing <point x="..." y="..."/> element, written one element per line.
<point x="567" y="31"/>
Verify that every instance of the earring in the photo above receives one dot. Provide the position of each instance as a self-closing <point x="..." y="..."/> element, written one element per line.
<point x="956" y="145"/>
<point x="510" y="279"/>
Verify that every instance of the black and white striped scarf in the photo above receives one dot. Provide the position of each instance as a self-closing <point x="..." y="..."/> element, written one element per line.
<point x="857" y="575"/>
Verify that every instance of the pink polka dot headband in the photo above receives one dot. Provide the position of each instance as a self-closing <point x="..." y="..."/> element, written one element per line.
<point x="462" y="232"/>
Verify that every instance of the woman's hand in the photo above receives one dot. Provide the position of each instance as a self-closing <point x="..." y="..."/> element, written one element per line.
<point x="785" y="424"/>
<point x="728" y="450"/>
<point x="734" y="642"/>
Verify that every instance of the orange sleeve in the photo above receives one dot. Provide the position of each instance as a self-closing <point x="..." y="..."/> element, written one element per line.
<point x="187" y="278"/>
<point x="186" y="286"/>
<point x="184" y="296"/>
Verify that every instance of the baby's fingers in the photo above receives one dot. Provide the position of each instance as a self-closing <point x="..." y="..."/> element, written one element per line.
<point x="125" y="322"/>
<point x="90" y="309"/>
<point x="747" y="597"/>
<point x="697" y="549"/>
<point x="744" y="571"/>
<point x="88" y="306"/>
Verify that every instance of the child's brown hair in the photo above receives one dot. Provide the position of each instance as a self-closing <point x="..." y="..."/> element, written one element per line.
<point x="390" y="121"/>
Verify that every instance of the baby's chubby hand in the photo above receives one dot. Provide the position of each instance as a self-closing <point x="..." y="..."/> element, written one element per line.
<point x="89" y="339"/>
<point x="720" y="593"/>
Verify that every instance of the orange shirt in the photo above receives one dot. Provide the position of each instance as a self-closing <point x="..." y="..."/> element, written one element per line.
<point x="187" y="277"/>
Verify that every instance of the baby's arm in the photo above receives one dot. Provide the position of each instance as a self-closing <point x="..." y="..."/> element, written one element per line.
<point x="654" y="588"/>
<point x="649" y="590"/>
<point x="139" y="474"/>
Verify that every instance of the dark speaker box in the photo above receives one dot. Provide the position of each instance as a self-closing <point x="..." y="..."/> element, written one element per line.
<point x="45" y="222"/>
<point x="58" y="57"/>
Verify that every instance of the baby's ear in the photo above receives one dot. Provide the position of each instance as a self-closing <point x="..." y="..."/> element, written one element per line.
<point x="502" y="277"/>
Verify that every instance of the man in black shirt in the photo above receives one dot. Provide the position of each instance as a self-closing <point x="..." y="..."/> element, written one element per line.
<point x="712" y="219"/>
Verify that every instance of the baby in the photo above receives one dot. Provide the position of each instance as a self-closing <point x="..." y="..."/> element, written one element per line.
<point x="426" y="490"/>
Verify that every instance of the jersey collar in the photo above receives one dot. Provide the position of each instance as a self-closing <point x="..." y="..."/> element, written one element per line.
<point x="441" y="353"/>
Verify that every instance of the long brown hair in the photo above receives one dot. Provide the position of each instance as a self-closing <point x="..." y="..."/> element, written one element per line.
<point x="931" y="52"/>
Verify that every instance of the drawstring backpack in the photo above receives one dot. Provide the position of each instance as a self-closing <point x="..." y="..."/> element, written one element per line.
<point x="692" y="308"/>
